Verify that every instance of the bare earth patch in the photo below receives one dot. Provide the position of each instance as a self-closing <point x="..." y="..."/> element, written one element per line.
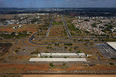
<point x="69" y="76"/>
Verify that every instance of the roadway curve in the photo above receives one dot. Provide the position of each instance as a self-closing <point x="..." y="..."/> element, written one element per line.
<point x="33" y="37"/>
<point x="50" y="27"/>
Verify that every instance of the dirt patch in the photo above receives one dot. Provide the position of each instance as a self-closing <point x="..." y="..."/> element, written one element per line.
<point x="36" y="67"/>
<point x="25" y="27"/>
<point x="7" y="16"/>
<point x="69" y="75"/>
<point x="19" y="57"/>
<point x="11" y="68"/>
<point x="58" y="31"/>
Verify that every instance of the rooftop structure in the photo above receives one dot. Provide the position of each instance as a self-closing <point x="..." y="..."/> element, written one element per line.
<point x="112" y="44"/>
<point x="57" y="59"/>
<point x="62" y="54"/>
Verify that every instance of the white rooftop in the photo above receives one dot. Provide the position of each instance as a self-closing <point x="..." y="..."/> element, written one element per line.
<point x="62" y="54"/>
<point x="112" y="44"/>
<point x="81" y="54"/>
<point x="58" y="59"/>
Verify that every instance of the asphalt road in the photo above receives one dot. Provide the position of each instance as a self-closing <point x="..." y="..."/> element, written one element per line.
<point x="68" y="32"/>
<point x="50" y="27"/>
<point x="33" y="36"/>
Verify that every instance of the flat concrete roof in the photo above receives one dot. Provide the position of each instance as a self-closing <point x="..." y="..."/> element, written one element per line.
<point x="112" y="44"/>
<point x="57" y="59"/>
<point x="62" y="54"/>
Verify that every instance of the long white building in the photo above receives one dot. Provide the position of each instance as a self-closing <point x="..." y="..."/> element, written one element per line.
<point x="57" y="59"/>
<point x="112" y="44"/>
<point x="62" y="54"/>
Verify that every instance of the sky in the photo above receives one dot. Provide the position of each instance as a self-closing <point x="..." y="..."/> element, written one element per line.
<point x="58" y="3"/>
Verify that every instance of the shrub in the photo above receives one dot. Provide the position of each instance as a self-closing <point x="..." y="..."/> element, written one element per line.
<point x="79" y="51"/>
<point x="64" y="64"/>
<point x="74" y="39"/>
<point x="94" y="25"/>
<point x="23" y="49"/>
<point x="16" y="51"/>
<point x="35" y="52"/>
<point x="46" y="52"/>
<point x="46" y="56"/>
<point x="51" y="64"/>
<point x="56" y="44"/>
<point x="113" y="58"/>
<point x="70" y="49"/>
<point x="111" y="63"/>
<point x="91" y="43"/>
<point x="75" y="47"/>
<point x="86" y="19"/>
<point x="51" y="57"/>
<point x="69" y="44"/>
<point x="47" y="47"/>
<point x="18" y="47"/>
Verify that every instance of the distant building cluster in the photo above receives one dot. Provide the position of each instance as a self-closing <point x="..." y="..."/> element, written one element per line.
<point x="24" y="19"/>
<point x="93" y="24"/>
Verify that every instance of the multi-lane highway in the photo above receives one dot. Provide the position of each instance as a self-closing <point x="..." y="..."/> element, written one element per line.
<point x="68" y="32"/>
<point x="50" y="26"/>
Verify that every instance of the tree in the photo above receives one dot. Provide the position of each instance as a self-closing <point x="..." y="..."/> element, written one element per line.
<point x="46" y="56"/>
<point x="64" y="64"/>
<point x="70" y="49"/>
<point x="75" y="47"/>
<point x="47" y="47"/>
<point x="93" y="25"/>
<point x="111" y="63"/>
<point x="86" y="19"/>
<point x="46" y="52"/>
<point x="18" y="47"/>
<point x="51" y="64"/>
<point x="85" y="44"/>
<point x="51" y="57"/>
<point x="79" y="51"/>
<point x="91" y="43"/>
<point x="16" y="51"/>
<point x="65" y="47"/>
<point x="69" y="44"/>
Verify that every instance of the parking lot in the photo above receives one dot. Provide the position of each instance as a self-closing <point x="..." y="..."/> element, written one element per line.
<point x="106" y="51"/>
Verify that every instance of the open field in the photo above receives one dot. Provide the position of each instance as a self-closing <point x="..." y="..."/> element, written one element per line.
<point x="41" y="34"/>
<point x="12" y="68"/>
<point x="58" y="28"/>
<point x="10" y="75"/>
<point x="36" y="67"/>
<point x="7" y="16"/>
<point x="23" y="68"/>
<point x="58" y="31"/>
<point x="25" y="27"/>
<point x="19" y="57"/>
<point x="69" y="75"/>
<point x="4" y="48"/>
